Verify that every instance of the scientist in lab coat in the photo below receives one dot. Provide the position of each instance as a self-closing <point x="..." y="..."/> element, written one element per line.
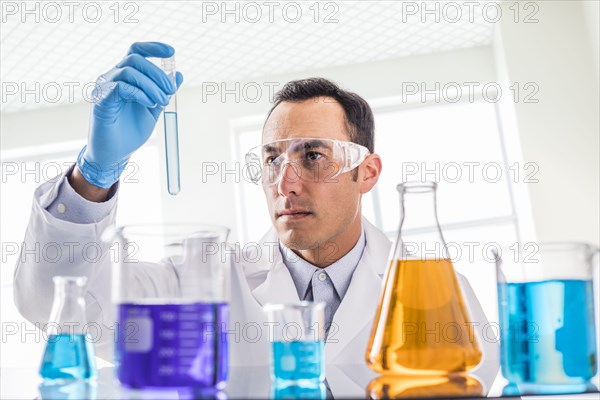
<point x="326" y="250"/>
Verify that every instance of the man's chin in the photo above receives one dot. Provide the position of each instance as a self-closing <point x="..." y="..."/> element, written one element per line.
<point x="296" y="238"/>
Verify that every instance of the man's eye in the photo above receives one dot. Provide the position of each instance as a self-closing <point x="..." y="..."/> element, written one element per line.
<point x="313" y="155"/>
<point x="272" y="160"/>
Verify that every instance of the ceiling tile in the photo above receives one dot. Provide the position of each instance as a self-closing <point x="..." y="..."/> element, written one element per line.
<point x="214" y="48"/>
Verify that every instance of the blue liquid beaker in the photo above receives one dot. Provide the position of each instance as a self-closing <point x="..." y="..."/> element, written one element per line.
<point x="297" y="343"/>
<point x="298" y="360"/>
<point x="546" y="310"/>
<point x="317" y="390"/>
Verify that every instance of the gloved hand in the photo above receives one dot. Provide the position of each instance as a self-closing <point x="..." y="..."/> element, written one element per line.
<point x="128" y="100"/>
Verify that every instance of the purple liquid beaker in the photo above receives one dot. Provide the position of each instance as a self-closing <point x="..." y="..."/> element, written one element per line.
<point x="171" y="290"/>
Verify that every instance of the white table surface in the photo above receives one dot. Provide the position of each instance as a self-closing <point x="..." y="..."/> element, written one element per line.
<point x="244" y="382"/>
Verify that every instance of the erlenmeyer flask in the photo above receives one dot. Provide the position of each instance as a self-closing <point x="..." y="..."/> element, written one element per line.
<point x="419" y="387"/>
<point x="69" y="352"/>
<point x="422" y="324"/>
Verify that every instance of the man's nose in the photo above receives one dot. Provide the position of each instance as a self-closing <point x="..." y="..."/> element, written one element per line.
<point x="290" y="180"/>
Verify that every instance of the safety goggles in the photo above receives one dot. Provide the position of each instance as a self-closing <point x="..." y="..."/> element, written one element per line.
<point x="308" y="159"/>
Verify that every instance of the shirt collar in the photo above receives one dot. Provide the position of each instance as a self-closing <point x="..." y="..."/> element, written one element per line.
<point x="340" y="272"/>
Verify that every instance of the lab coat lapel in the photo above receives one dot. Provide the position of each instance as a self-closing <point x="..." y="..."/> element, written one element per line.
<point x="358" y="307"/>
<point x="278" y="286"/>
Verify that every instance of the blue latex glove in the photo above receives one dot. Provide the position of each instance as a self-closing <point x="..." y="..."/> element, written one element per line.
<point x="128" y="100"/>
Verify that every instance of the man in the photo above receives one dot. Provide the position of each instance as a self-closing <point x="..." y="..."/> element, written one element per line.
<point x="316" y="161"/>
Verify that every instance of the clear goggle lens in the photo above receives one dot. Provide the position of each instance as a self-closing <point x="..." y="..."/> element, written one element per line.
<point x="308" y="159"/>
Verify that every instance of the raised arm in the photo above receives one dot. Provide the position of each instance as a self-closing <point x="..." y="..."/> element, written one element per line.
<point x="69" y="214"/>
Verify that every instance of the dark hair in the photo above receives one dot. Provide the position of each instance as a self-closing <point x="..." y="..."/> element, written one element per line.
<point x="358" y="114"/>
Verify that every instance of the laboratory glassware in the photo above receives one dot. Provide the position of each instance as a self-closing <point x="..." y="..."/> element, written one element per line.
<point x="546" y="312"/>
<point x="171" y="131"/>
<point x="442" y="386"/>
<point x="69" y="353"/>
<point x="422" y="323"/>
<point x="171" y="290"/>
<point x="292" y="391"/>
<point x="297" y="336"/>
<point x="76" y="389"/>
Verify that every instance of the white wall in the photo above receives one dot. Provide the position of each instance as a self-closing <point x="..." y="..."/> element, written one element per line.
<point x="591" y="12"/>
<point x="560" y="133"/>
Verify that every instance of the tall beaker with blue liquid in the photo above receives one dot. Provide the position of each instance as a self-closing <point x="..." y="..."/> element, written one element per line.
<point x="546" y="312"/>
<point x="171" y="291"/>
<point x="69" y="353"/>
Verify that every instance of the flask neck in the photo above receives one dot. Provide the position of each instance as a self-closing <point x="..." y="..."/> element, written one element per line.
<point x="419" y="235"/>
<point x="68" y="308"/>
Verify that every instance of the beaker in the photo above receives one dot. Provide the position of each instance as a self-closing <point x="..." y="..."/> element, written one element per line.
<point x="422" y="324"/>
<point x="546" y="312"/>
<point x="171" y="290"/>
<point x="293" y="391"/>
<point x="69" y="353"/>
<point x="297" y="336"/>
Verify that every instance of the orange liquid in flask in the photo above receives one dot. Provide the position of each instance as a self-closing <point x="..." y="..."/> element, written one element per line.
<point x="423" y="326"/>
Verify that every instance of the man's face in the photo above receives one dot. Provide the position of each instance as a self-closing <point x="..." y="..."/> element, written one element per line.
<point x="308" y="214"/>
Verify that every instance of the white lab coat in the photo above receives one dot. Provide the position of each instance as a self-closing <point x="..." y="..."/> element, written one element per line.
<point x="257" y="278"/>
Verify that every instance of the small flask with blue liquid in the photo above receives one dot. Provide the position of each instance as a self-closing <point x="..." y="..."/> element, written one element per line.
<point x="69" y="353"/>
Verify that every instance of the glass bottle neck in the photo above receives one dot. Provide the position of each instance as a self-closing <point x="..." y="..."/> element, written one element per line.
<point x="68" y="308"/>
<point x="420" y="236"/>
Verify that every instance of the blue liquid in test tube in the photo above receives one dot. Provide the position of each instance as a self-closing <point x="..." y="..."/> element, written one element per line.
<point x="171" y="132"/>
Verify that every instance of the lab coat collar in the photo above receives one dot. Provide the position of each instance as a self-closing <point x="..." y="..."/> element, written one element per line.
<point x="358" y="308"/>
<point x="278" y="285"/>
<point x="359" y="304"/>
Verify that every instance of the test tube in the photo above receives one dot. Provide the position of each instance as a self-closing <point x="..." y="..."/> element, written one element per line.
<point x="171" y="135"/>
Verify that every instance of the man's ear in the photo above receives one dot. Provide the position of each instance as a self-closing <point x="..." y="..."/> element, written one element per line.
<point x="369" y="173"/>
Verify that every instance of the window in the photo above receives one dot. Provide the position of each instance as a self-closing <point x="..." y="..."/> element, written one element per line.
<point x="253" y="216"/>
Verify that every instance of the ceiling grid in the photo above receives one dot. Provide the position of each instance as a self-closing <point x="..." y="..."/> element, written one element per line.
<point x="210" y="50"/>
